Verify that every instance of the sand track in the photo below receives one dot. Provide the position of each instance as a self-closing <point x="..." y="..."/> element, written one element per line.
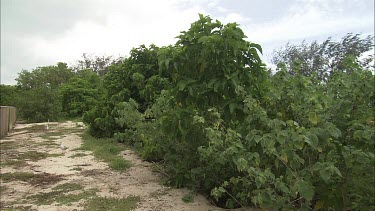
<point x="59" y="167"/>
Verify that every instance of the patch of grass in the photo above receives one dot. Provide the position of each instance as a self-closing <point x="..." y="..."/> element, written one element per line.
<point x="49" y="142"/>
<point x="77" y="169"/>
<point x="3" y="189"/>
<point x="188" y="198"/>
<point x="33" y="179"/>
<point x="20" y="208"/>
<point x="119" y="164"/>
<point x="107" y="150"/>
<point x="54" y="135"/>
<point x="67" y="199"/>
<point x="114" y="189"/>
<point x="22" y="176"/>
<point x="35" y="156"/>
<point x="18" y="159"/>
<point x="78" y="155"/>
<point x="36" y="128"/>
<point x="62" y="196"/>
<point x="113" y="204"/>
<point x="6" y="145"/>
<point x="91" y="172"/>
<point x="13" y="163"/>
<point x="158" y="193"/>
<point x="68" y="187"/>
<point x="45" y="198"/>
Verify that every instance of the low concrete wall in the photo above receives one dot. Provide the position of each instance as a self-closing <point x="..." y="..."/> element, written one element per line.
<point x="7" y="119"/>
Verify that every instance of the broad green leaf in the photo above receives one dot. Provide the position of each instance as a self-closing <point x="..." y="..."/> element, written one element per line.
<point x="257" y="46"/>
<point x="312" y="140"/>
<point x="232" y="107"/>
<point x="325" y="173"/>
<point x="241" y="164"/>
<point x="335" y="132"/>
<point x="313" y="118"/>
<point x="284" y="156"/>
<point x="306" y="189"/>
<point x="338" y="171"/>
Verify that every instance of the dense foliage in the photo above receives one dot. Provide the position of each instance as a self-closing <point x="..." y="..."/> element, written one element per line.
<point x="53" y="92"/>
<point x="322" y="58"/>
<point x="302" y="138"/>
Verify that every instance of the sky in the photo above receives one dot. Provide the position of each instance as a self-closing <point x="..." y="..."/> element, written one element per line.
<point x="37" y="33"/>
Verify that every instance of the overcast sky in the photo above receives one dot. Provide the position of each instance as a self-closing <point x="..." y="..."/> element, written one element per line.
<point x="43" y="32"/>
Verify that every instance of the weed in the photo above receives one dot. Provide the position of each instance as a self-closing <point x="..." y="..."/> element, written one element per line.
<point x="54" y="135"/>
<point x="17" y="159"/>
<point x="35" y="128"/>
<point x="45" y="198"/>
<point x="35" y="156"/>
<point x="33" y="179"/>
<point x="48" y="143"/>
<point x="6" y="145"/>
<point x="159" y="193"/>
<point x="78" y="155"/>
<point x="13" y="163"/>
<point x="68" y="187"/>
<point x="77" y="169"/>
<point x="60" y="195"/>
<point x="106" y="150"/>
<point x="23" y="176"/>
<point x="114" y="189"/>
<point x="113" y="204"/>
<point x="188" y="198"/>
<point x="91" y="172"/>
<point x="20" y="208"/>
<point x="119" y="164"/>
<point x="67" y="199"/>
<point x="3" y="189"/>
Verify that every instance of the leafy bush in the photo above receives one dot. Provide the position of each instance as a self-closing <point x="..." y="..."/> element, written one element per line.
<point x="301" y="138"/>
<point x="280" y="142"/>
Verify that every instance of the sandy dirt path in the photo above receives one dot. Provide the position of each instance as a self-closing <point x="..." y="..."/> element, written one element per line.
<point x="66" y="179"/>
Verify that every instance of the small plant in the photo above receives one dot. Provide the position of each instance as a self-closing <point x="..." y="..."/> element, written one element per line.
<point x="113" y="204"/>
<point x="77" y="169"/>
<point x="13" y="163"/>
<point x="61" y="195"/>
<point x="33" y="179"/>
<point x="55" y="135"/>
<point x="68" y="187"/>
<point x="188" y="198"/>
<point x="7" y="145"/>
<point x="119" y="164"/>
<point x="3" y="189"/>
<point x="78" y="155"/>
<point x="106" y="150"/>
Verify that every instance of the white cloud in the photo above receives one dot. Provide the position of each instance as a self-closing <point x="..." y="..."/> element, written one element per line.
<point x="113" y="27"/>
<point x="126" y="24"/>
<point x="234" y="17"/>
<point x="308" y="20"/>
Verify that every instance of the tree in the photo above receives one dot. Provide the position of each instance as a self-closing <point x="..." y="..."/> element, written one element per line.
<point x="39" y="99"/>
<point x="79" y="96"/>
<point x="51" y="76"/>
<point x="97" y="64"/>
<point x="136" y="77"/>
<point x="39" y="104"/>
<point x="8" y="95"/>
<point x="324" y="58"/>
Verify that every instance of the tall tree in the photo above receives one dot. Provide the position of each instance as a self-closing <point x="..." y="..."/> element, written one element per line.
<point x="8" y="95"/>
<point x="98" y="64"/>
<point x="39" y="99"/>
<point x="324" y="58"/>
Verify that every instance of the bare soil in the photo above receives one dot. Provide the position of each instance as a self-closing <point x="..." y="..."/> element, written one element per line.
<point x="54" y="166"/>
